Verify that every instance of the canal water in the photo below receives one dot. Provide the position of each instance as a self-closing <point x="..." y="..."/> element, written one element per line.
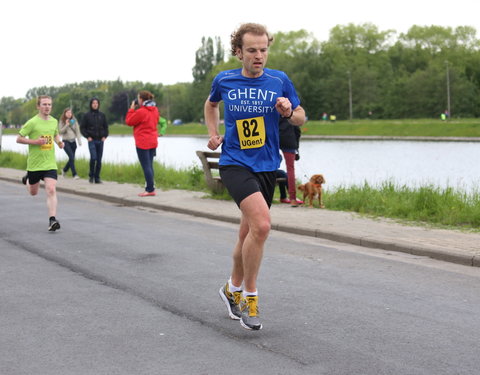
<point x="342" y="162"/>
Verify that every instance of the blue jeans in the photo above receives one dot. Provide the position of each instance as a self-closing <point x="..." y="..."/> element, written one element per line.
<point x="96" y="152"/>
<point x="146" y="161"/>
<point x="70" y="148"/>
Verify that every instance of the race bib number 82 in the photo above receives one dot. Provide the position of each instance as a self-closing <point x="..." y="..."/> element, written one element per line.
<point x="251" y="132"/>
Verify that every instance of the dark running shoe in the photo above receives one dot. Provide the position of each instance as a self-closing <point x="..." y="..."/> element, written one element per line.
<point x="249" y="318"/>
<point x="232" y="301"/>
<point x="54" y="225"/>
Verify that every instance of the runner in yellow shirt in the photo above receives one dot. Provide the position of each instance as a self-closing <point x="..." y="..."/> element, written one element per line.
<point x="39" y="133"/>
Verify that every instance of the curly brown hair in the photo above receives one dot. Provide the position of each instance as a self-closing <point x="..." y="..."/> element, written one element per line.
<point x="236" y="39"/>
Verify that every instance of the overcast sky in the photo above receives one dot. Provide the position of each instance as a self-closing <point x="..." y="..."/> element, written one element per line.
<point x="54" y="42"/>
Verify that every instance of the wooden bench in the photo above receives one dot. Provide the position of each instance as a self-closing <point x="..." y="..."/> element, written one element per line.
<point x="209" y="161"/>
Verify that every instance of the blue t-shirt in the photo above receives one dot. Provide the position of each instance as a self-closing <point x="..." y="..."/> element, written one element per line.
<point x="251" y="135"/>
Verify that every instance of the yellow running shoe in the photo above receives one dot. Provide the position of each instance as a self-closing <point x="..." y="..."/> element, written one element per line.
<point x="249" y="318"/>
<point x="232" y="301"/>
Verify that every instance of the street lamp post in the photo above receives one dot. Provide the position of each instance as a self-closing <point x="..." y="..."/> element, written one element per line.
<point x="350" y="94"/>
<point x="168" y="103"/>
<point x="448" y="90"/>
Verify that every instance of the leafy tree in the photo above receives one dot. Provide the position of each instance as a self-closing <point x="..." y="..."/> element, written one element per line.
<point x="206" y="57"/>
<point x="8" y="104"/>
<point x="178" y="99"/>
<point x="44" y="90"/>
<point x="61" y="102"/>
<point x="353" y="39"/>
<point x="219" y="51"/>
<point x="20" y="115"/>
<point x="203" y="60"/>
<point x="435" y="39"/>
<point x="120" y="104"/>
<point x="391" y="76"/>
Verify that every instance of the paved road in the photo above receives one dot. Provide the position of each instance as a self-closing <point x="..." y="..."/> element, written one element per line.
<point x="448" y="245"/>
<point x="131" y="290"/>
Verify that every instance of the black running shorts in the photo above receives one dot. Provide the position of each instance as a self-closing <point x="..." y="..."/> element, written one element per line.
<point x="36" y="176"/>
<point x="242" y="182"/>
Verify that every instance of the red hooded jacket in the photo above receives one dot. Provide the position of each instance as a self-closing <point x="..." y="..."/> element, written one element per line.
<point x="144" y="121"/>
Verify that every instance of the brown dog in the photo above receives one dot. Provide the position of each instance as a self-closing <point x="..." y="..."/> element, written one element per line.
<point x="313" y="189"/>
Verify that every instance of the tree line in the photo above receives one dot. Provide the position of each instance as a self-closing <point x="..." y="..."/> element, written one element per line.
<point x="359" y="72"/>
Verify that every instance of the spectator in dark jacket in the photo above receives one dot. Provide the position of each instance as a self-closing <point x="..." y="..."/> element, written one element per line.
<point x="289" y="143"/>
<point x="94" y="127"/>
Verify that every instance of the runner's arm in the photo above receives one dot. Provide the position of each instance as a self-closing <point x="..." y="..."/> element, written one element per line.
<point x="298" y="117"/>
<point x="58" y="141"/>
<point x="212" y="120"/>
<point x="27" y="141"/>
<point x="295" y="116"/>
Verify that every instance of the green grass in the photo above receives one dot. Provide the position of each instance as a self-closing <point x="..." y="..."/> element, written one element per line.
<point x="423" y="205"/>
<point x="399" y="128"/>
<point x="426" y="204"/>
<point x="165" y="177"/>
<point x="13" y="160"/>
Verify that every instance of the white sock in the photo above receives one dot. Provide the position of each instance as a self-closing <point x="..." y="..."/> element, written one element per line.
<point x="232" y="287"/>
<point x="245" y="293"/>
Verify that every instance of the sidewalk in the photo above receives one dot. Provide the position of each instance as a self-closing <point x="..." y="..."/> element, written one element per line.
<point x="447" y="245"/>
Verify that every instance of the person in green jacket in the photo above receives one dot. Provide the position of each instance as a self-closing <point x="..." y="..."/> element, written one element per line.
<point x="162" y="123"/>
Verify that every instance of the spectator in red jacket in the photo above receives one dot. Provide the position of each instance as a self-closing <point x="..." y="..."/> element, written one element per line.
<point x="143" y="116"/>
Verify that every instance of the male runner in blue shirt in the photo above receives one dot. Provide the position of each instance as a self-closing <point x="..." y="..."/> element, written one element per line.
<point x="254" y="99"/>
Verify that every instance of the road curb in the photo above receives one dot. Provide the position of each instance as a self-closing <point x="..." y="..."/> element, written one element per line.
<point x="369" y="242"/>
<point x="364" y="241"/>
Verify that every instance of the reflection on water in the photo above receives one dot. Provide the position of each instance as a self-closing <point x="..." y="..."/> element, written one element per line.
<point x="346" y="163"/>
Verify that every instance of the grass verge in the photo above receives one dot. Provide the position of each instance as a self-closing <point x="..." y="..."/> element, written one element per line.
<point x="423" y="205"/>
<point x="165" y="177"/>
<point x="399" y="128"/>
<point x="392" y="128"/>
<point x="441" y="207"/>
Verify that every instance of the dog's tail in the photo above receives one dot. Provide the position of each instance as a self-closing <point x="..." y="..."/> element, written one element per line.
<point x="301" y="187"/>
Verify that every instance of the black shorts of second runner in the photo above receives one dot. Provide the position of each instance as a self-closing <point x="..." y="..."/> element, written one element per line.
<point x="242" y="182"/>
<point x="36" y="176"/>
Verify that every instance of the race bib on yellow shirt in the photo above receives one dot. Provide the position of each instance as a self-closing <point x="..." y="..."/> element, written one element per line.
<point x="48" y="144"/>
<point x="251" y="132"/>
